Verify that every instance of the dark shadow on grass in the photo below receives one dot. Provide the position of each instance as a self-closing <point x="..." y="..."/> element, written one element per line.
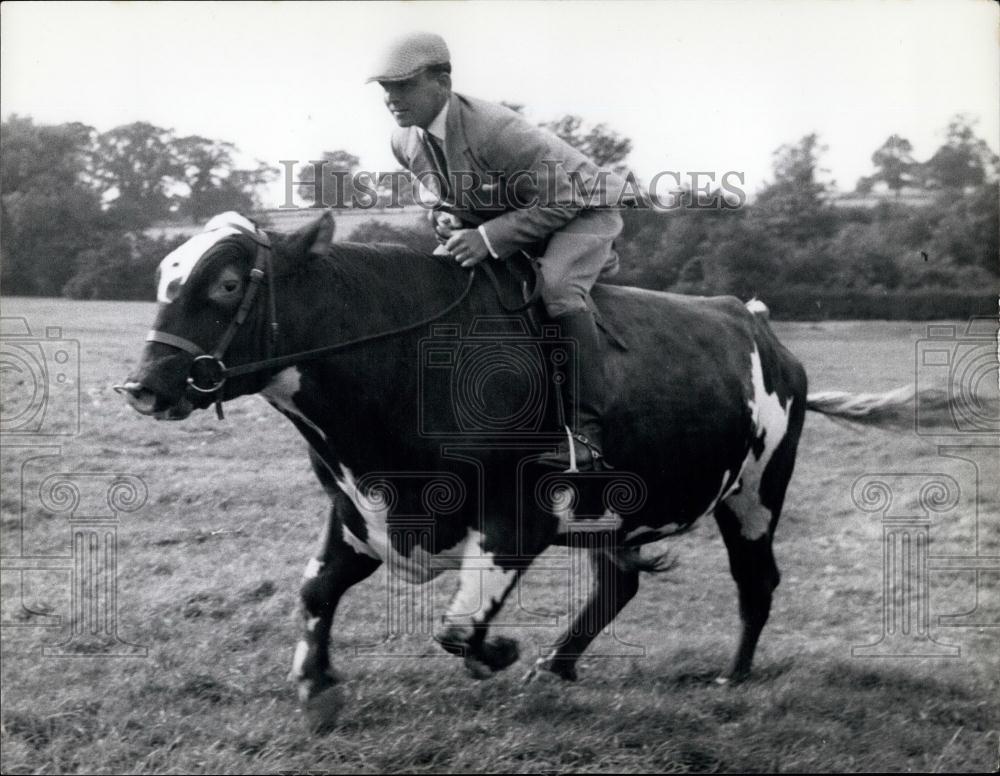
<point x="884" y="678"/>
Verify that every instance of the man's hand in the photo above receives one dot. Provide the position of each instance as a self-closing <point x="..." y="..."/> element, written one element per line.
<point x="444" y="224"/>
<point x="467" y="246"/>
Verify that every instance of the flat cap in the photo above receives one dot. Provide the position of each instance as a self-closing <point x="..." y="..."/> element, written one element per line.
<point x="408" y="55"/>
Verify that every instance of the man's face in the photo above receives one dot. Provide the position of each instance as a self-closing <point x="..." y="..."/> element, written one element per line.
<point x="417" y="100"/>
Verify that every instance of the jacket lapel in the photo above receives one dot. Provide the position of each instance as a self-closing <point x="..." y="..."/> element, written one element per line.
<point x="456" y="143"/>
<point x="415" y="152"/>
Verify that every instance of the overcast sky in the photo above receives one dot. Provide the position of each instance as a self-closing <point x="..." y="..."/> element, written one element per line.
<point x="696" y="85"/>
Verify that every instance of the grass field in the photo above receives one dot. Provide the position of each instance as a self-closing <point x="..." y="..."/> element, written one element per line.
<point x="209" y="569"/>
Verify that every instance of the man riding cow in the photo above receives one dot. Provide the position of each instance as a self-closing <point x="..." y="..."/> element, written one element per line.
<point x="512" y="187"/>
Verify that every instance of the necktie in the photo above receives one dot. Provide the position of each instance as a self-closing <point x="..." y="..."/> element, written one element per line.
<point x="436" y="155"/>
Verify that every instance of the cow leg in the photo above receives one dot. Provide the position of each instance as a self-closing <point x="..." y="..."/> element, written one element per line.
<point x="747" y="520"/>
<point x="751" y="562"/>
<point x="615" y="584"/>
<point x="483" y="587"/>
<point x="336" y="567"/>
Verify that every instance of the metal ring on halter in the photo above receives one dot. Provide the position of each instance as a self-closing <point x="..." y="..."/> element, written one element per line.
<point x="217" y="374"/>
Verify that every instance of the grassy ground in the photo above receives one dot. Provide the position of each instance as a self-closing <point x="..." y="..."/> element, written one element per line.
<point x="209" y="569"/>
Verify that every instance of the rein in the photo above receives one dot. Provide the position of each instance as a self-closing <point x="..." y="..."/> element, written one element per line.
<point x="306" y="355"/>
<point x="208" y="373"/>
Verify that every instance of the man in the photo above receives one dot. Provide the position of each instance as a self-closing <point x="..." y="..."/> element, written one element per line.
<point x="517" y="187"/>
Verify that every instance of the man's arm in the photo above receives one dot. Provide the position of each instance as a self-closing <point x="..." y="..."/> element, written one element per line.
<point x="521" y="149"/>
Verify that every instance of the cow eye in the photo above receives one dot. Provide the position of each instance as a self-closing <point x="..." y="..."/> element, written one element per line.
<point x="227" y="287"/>
<point x="173" y="288"/>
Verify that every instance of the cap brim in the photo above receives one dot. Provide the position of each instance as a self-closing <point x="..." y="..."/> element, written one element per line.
<point x="394" y="77"/>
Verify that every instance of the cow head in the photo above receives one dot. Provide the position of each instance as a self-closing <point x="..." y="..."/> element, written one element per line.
<point x="200" y="288"/>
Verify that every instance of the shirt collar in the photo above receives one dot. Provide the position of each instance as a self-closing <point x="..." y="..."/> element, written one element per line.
<point x="438" y="126"/>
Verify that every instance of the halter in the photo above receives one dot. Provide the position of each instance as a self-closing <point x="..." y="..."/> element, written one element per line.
<point x="208" y="373"/>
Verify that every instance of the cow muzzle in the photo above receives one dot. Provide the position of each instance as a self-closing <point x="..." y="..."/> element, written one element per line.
<point x="147" y="402"/>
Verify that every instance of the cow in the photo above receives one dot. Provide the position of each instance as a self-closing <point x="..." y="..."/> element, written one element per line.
<point x="377" y="355"/>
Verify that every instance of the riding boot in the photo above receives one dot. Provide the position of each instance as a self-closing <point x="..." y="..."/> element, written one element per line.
<point x="583" y="392"/>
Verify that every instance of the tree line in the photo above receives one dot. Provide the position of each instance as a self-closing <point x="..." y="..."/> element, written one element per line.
<point x="796" y="234"/>
<point x="76" y="204"/>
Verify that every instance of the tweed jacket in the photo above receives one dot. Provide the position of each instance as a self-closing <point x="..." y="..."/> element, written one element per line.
<point x="519" y="181"/>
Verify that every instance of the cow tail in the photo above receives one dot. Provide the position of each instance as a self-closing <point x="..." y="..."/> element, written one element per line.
<point x="889" y="409"/>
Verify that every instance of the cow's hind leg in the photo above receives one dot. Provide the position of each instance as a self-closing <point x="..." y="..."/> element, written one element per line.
<point x="751" y="562"/>
<point x="747" y="520"/>
<point x="484" y="585"/>
<point x="335" y="568"/>
<point x="616" y="580"/>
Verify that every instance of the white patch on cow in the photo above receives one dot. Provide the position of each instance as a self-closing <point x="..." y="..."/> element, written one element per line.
<point x="280" y="392"/>
<point x="356" y="544"/>
<point x="415" y="567"/>
<point x="757" y="307"/>
<point x="301" y="650"/>
<point x="770" y="419"/>
<point x="178" y="265"/>
<point x="482" y="584"/>
<point x="313" y="568"/>
<point x="311" y="624"/>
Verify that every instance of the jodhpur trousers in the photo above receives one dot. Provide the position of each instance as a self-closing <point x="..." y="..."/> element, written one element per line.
<point x="576" y="257"/>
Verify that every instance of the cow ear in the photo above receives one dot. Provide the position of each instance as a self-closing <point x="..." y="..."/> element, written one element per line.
<point x="314" y="238"/>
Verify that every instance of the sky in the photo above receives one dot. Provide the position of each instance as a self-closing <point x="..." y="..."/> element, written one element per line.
<point x="698" y="86"/>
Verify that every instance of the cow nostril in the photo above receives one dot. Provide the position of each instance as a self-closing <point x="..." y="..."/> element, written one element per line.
<point x="130" y="387"/>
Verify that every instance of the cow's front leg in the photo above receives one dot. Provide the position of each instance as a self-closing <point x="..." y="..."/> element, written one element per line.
<point x="616" y="581"/>
<point x="336" y="567"/>
<point x="484" y="585"/>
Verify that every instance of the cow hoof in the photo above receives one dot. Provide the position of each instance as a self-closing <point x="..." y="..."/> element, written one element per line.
<point x="499" y="652"/>
<point x="477" y="669"/>
<point x="546" y="669"/>
<point x="454" y="639"/>
<point x="537" y="676"/>
<point x="321" y="710"/>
